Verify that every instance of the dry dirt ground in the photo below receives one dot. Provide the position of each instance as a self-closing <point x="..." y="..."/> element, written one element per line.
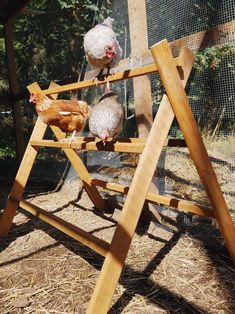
<point x="181" y="266"/>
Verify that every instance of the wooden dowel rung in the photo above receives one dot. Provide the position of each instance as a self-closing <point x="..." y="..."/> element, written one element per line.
<point x="185" y="206"/>
<point x="127" y="147"/>
<point x="49" y="143"/>
<point x="131" y="145"/>
<point x="110" y="185"/>
<point x="147" y="69"/>
<point x="94" y="243"/>
<point x="168" y="201"/>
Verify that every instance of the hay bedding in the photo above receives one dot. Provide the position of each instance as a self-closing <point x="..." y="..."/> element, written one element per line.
<point x="169" y="269"/>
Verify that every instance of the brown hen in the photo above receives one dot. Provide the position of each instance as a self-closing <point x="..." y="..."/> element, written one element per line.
<point x="68" y="115"/>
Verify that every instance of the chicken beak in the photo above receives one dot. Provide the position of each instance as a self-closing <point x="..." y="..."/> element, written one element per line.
<point x="111" y="54"/>
<point x="104" y="139"/>
<point x="32" y="98"/>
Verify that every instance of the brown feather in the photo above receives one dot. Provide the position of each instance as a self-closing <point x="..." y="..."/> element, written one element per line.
<point x="68" y="115"/>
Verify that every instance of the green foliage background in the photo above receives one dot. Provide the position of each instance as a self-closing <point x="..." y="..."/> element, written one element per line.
<point x="48" y="46"/>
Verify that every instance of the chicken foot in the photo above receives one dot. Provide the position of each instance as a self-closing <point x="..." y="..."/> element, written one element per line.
<point x="70" y="139"/>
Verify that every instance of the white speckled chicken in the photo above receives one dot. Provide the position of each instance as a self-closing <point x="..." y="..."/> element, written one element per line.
<point x="106" y="117"/>
<point x="101" y="47"/>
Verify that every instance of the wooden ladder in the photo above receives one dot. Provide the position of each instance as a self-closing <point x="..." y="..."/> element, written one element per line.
<point x="174" y="73"/>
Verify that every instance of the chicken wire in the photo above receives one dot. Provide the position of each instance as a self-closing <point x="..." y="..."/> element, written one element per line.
<point x="211" y="95"/>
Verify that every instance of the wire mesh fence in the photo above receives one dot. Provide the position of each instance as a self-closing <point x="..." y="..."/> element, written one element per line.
<point x="208" y="29"/>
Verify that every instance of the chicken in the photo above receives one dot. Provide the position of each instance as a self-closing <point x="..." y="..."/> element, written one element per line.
<point x="102" y="48"/>
<point x="106" y="117"/>
<point x="68" y="115"/>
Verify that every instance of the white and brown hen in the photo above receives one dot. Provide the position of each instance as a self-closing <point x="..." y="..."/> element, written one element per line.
<point x="68" y="115"/>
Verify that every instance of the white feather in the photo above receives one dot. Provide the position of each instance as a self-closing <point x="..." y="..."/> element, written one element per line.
<point x="65" y="113"/>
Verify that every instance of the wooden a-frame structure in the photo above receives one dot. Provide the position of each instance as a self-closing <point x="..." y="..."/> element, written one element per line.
<point x="174" y="73"/>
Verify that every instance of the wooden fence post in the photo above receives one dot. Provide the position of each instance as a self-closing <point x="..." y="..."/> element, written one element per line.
<point x="139" y="46"/>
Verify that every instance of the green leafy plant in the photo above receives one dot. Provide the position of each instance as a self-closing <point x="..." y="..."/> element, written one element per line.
<point x="211" y="58"/>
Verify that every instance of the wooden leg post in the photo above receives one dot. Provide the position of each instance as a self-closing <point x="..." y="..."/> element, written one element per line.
<point x="179" y="102"/>
<point x="21" y="179"/>
<point x="135" y="199"/>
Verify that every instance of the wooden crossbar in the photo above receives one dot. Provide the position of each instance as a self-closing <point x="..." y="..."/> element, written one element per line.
<point x="129" y="145"/>
<point x="86" y="238"/>
<point x="128" y="74"/>
<point x="174" y="104"/>
<point x="168" y="201"/>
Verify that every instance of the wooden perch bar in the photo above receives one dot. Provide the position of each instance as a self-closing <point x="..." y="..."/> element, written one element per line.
<point x="147" y="69"/>
<point x="168" y="201"/>
<point x="86" y="238"/>
<point x="94" y="145"/>
<point x="127" y="145"/>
